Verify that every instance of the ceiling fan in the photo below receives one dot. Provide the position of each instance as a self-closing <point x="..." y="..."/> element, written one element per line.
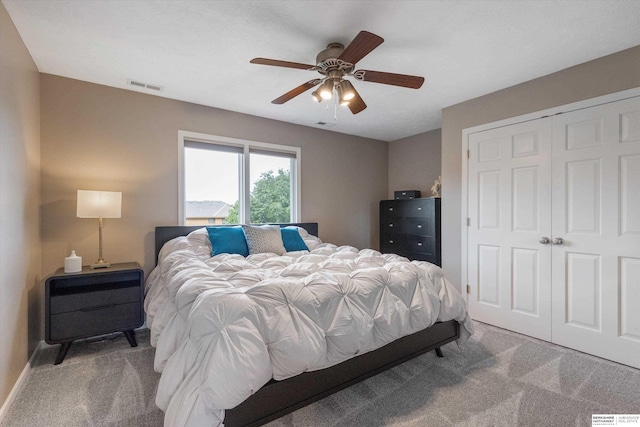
<point x="336" y="63"/>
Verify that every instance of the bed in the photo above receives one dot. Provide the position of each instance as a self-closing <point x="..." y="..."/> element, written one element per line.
<point x="193" y="390"/>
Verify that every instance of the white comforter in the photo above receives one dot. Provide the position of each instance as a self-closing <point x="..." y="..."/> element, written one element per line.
<point x="223" y="326"/>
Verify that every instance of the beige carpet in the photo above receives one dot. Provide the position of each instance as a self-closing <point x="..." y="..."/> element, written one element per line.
<point x="499" y="379"/>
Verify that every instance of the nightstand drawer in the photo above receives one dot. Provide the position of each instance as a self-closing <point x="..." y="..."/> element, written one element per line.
<point x="97" y="321"/>
<point x="89" y="300"/>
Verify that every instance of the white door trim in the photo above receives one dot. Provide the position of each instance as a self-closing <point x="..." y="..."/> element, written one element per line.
<point x="612" y="97"/>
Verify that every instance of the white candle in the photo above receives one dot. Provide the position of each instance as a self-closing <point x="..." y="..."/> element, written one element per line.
<point x="73" y="263"/>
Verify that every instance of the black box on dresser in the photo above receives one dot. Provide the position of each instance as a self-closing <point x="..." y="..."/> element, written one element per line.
<point x="411" y="228"/>
<point x="406" y="194"/>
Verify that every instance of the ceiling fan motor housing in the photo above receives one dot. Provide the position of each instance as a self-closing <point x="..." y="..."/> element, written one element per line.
<point x="327" y="60"/>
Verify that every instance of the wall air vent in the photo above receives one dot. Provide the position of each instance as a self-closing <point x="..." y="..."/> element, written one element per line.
<point x="142" y="85"/>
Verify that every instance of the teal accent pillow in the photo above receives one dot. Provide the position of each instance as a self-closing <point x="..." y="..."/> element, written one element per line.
<point x="227" y="240"/>
<point x="292" y="240"/>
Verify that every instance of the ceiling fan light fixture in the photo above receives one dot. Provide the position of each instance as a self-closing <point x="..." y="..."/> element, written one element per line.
<point x="346" y="91"/>
<point x="341" y="95"/>
<point x="326" y="90"/>
<point x="316" y="96"/>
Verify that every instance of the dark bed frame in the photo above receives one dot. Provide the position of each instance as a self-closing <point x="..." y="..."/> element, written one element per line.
<point x="278" y="398"/>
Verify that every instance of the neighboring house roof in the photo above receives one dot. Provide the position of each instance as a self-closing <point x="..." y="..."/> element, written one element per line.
<point x="207" y="209"/>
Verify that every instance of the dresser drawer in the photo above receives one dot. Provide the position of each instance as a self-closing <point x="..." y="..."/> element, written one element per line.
<point x="415" y="226"/>
<point x="421" y="244"/>
<point x="408" y="242"/>
<point x="89" y="322"/>
<point x="392" y="244"/>
<point x="88" y="300"/>
<point x="433" y="259"/>
<point x="412" y="255"/>
<point x="405" y="208"/>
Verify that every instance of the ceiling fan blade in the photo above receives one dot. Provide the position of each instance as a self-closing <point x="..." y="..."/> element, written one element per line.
<point x="360" y="47"/>
<point x="296" y="91"/>
<point x="404" y="80"/>
<point x="287" y="64"/>
<point x="356" y="104"/>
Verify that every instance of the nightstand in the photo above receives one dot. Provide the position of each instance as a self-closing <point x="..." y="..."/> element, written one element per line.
<point x="93" y="302"/>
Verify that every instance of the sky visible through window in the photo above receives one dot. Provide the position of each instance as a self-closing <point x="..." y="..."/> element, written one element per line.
<point x="213" y="175"/>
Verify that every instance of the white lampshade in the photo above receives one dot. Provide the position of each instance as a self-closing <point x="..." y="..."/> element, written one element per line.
<point x="99" y="204"/>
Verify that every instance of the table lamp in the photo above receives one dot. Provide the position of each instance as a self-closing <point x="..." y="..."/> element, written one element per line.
<point x="99" y="204"/>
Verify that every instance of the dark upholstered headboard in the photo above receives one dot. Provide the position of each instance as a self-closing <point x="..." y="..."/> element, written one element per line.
<point x="166" y="233"/>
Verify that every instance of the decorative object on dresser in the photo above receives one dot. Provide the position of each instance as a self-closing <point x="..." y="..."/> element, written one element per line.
<point x="411" y="228"/>
<point x="406" y="194"/>
<point x="73" y="263"/>
<point x="93" y="302"/>
<point x="435" y="190"/>
<point x="99" y="204"/>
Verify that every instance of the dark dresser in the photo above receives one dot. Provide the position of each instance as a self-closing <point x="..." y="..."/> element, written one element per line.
<point x="411" y="228"/>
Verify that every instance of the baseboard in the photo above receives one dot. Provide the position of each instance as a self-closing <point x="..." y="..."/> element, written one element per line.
<point x="18" y="385"/>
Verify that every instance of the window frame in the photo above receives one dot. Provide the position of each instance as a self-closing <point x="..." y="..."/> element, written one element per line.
<point x="247" y="147"/>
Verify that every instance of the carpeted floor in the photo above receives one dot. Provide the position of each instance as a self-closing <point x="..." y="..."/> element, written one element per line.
<point x="499" y="379"/>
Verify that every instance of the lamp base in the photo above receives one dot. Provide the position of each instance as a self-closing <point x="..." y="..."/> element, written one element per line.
<point x="100" y="264"/>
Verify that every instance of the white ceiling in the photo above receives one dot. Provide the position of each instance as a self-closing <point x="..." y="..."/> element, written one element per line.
<point x="199" y="51"/>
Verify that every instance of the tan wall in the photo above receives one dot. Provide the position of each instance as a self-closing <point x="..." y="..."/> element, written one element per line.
<point x="20" y="281"/>
<point x="609" y="74"/>
<point x="414" y="162"/>
<point x="99" y="138"/>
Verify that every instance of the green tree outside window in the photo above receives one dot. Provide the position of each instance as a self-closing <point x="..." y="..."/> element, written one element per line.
<point x="270" y="199"/>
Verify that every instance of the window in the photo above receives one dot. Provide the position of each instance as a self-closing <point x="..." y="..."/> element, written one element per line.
<point x="231" y="181"/>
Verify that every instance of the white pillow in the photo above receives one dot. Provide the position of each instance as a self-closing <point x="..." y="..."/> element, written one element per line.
<point x="200" y="237"/>
<point x="264" y="238"/>
<point x="311" y="241"/>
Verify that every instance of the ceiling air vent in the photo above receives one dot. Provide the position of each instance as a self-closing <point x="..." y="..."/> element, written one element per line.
<point x="325" y="124"/>
<point x="145" y="85"/>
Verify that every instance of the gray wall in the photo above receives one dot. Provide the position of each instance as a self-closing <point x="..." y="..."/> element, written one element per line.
<point x="20" y="283"/>
<point x="609" y="74"/>
<point x="99" y="138"/>
<point x="414" y="162"/>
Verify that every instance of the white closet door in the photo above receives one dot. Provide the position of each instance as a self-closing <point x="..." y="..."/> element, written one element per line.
<point x="509" y="270"/>
<point x="596" y="212"/>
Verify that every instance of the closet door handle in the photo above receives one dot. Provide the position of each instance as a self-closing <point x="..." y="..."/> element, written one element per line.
<point x="558" y="241"/>
<point x="545" y="240"/>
